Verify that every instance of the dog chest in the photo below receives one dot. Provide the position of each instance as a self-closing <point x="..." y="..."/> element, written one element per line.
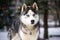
<point x="33" y="36"/>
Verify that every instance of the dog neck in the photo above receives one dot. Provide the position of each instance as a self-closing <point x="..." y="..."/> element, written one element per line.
<point x="27" y="33"/>
<point x="22" y="26"/>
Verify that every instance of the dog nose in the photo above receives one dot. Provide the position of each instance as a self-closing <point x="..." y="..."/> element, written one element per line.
<point x="32" y="21"/>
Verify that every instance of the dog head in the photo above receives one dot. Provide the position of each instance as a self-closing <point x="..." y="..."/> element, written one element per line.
<point x="29" y="15"/>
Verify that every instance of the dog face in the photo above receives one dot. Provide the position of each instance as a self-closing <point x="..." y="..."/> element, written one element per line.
<point x="29" y="15"/>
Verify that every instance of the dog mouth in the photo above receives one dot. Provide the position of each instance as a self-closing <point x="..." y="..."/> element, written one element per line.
<point x="32" y="22"/>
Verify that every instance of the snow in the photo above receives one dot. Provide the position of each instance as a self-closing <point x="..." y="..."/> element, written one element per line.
<point x="3" y="35"/>
<point x="54" y="38"/>
<point x="51" y="31"/>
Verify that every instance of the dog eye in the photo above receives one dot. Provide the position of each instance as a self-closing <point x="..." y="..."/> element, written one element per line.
<point x="27" y="15"/>
<point x="33" y="14"/>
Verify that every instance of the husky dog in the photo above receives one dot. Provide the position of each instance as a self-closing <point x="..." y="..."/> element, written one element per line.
<point x="29" y="23"/>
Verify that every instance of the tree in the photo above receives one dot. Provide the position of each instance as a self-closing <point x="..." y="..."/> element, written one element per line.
<point x="46" y="21"/>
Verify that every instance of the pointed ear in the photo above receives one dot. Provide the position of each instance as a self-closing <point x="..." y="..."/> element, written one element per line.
<point x="35" y="7"/>
<point x="23" y="7"/>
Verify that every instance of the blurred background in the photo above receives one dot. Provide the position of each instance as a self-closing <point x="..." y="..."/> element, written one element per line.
<point x="49" y="11"/>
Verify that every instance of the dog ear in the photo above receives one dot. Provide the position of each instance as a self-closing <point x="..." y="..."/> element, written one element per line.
<point x="23" y="7"/>
<point x="35" y="7"/>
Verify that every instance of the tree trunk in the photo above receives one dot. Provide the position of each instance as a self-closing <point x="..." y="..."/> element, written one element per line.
<point x="46" y="25"/>
<point x="46" y="22"/>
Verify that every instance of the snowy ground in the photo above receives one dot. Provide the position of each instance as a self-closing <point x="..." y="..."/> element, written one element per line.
<point x="3" y="35"/>
<point x="51" y="31"/>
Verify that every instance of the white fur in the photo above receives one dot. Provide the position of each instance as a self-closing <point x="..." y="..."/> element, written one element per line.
<point x="27" y="36"/>
<point x="27" y="20"/>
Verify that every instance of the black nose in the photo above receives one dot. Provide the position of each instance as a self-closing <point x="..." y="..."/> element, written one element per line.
<point x="32" y="21"/>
